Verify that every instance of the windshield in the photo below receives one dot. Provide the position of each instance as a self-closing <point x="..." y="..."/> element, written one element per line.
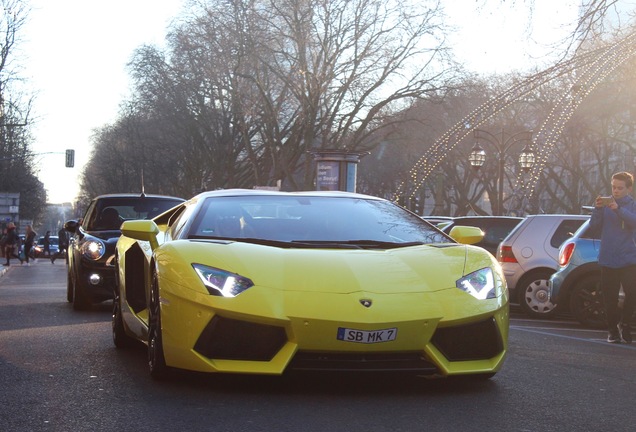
<point x="311" y="219"/>
<point x="109" y="213"/>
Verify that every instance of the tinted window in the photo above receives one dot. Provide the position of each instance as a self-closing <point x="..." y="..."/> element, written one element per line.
<point x="181" y="219"/>
<point x="90" y="211"/>
<point x="565" y="230"/>
<point x="289" y="218"/>
<point x="589" y="233"/>
<point x="109" y="213"/>
<point x="519" y="227"/>
<point x="495" y="232"/>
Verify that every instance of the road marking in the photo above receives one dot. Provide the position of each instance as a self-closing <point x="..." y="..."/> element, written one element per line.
<point x="597" y="341"/>
<point x="560" y="328"/>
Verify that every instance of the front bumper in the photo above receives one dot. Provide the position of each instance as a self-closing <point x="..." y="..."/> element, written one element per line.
<point x="98" y="279"/>
<point x="268" y="332"/>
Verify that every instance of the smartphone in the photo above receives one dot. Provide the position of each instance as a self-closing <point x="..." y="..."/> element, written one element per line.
<point x="607" y="200"/>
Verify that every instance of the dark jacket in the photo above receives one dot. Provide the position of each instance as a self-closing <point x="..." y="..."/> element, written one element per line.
<point x="618" y="233"/>
<point x="62" y="238"/>
<point x="12" y="237"/>
<point x="30" y="239"/>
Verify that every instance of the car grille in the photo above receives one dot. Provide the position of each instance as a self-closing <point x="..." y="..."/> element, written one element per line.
<point x="362" y="362"/>
<point x="229" y="339"/>
<point x="475" y="341"/>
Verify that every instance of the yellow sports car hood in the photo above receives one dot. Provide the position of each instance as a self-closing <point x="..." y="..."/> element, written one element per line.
<point x="425" y="268"/>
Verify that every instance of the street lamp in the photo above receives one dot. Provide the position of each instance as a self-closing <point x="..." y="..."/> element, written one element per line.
<point x="477" y="156"/>
<point x="634" y="173"/>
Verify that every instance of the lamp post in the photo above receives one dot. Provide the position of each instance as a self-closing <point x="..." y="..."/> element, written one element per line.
<point x="477" y="156"/>
<point x="634" y="174"/>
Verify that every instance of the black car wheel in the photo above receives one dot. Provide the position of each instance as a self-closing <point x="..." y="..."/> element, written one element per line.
<point x="120" y="338"/>
<point x="156" y="360"/>
<point x="586" y="302"/>
<point x="534" y="295"/>
<point x="69" y="287"/>
<point x="80" y="298"/>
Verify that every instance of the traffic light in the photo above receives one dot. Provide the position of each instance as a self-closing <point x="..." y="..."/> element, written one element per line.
<point x="70" y="158"/>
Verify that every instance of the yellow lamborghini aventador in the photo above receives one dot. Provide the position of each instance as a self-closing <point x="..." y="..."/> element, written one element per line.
<point x="261" y="282"/>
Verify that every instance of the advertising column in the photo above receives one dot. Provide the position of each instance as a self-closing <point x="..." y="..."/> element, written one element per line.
<point x="336" y="170"/>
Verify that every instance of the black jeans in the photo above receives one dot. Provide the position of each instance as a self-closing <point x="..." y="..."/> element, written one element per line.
<point x="611" y="281"/>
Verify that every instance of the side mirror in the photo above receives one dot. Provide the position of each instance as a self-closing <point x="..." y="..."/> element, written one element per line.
<point x="144" y="230"/>
<point x="71" y="226"/>
<point x="466" y="234"/>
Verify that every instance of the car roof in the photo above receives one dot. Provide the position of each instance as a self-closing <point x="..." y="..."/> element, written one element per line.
<point x="264" y="192"/>
<point x="133" y="195"/>
<point x="438" y="221"/>
<point x="559" y="216"/>
<point x="539" y="229"/>
<point x="482" y="217"/>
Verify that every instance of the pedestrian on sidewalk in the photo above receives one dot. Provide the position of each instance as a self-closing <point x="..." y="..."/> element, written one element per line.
<point x="615" y="216"/>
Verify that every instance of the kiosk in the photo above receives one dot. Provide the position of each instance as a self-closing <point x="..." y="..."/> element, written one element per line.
<point x="336" y="169"/>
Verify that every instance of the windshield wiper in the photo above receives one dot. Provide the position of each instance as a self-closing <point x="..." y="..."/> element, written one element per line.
<point x="309" y="244"/>
<point x="264" y="242"/>
<point x="360" y="244"/>
<point x="240" y="239"/>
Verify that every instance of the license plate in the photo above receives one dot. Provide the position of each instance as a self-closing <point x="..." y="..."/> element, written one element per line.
<point x="364" y="336"/>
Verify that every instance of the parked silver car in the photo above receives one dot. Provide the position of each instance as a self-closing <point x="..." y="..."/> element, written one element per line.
<point x="529" y="256"/>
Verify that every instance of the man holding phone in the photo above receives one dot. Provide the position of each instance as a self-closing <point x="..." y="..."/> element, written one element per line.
<point x="616" y="218"/>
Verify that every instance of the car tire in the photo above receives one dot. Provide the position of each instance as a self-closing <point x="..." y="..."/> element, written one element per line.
<point x="80" y="299"/>
<point x="156" y="359"/>
<point x="120" y="337"/>
<point x="586" y="302"/>
<point x="534" y="294"/>
<point x="69" y="287"/>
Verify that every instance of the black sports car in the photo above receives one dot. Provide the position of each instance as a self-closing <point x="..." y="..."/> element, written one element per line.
<point x="91" y="273"/>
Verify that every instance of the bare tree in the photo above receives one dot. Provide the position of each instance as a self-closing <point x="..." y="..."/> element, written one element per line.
<point x="247" y="88"/>
<point x="17" y="168"/>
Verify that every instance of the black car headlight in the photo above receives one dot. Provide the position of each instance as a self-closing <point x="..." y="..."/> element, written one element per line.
<point x="220" y="282"/>
<point x="93" y="249"/>
<point x="480" y="284"/>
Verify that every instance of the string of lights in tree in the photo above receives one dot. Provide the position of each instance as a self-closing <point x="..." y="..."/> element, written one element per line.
<point x="553" y="126"/>
<point x="592" y="67"/>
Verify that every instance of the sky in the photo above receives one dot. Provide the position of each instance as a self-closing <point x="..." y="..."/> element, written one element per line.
<point x="74" y="55"/>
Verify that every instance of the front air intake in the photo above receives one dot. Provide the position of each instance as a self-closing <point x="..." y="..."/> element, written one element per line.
<point x="475" y="341"/>
<point x="230" y="339"/>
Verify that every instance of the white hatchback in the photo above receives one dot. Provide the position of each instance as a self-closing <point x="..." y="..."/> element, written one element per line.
<point x="529" y="256"/>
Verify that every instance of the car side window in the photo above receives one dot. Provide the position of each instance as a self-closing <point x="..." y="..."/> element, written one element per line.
<point x="496" y="233"/>
<point x="179" y="223"/>
<point x="565" y="230"/>
<point x="90" y="214"/>
<point x="594" y="234"/>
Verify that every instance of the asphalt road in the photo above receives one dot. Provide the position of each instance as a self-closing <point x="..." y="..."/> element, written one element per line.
<point x="59" y="371"/>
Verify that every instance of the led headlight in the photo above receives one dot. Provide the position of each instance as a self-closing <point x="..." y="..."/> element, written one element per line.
<point x="220" y="282"/>
<point x="93" y="249"/>
<point x="480" y="284"/>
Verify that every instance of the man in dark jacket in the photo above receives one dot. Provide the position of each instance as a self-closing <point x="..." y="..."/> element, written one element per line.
<point x="62" y="236"/>
<point x="616" y="217"/>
